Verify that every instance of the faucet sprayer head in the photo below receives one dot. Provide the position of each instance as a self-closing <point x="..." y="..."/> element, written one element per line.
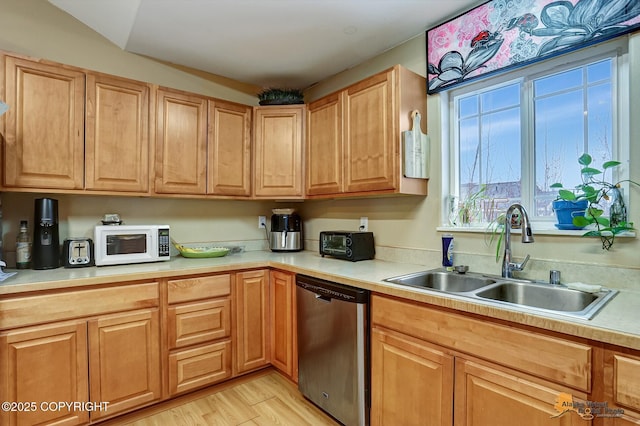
<point x="527" y="234"/>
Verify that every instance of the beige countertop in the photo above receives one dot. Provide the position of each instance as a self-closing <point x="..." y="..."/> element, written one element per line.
<point x="618" y="322"/>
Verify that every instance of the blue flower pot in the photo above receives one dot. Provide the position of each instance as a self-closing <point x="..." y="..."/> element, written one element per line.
<point x="567" y="210"/>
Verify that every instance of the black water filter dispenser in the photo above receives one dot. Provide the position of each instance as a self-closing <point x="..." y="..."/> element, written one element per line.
<point x="46" y="240"/>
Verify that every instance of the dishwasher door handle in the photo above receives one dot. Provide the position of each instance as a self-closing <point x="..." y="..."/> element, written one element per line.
<point x="323" y="298"/>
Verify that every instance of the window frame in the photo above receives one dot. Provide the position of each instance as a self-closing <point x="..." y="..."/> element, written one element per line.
<point x="617" y="49"/>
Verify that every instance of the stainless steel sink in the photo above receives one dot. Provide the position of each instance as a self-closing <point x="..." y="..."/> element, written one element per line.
<point x="539" y="296"/>
<point x="523" y="295"/>
<point x="443" y="281"/>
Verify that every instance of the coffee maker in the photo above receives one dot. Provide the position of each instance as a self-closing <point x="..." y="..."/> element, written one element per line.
<point x="46" y="240"/>
<point x="286" y="231"/>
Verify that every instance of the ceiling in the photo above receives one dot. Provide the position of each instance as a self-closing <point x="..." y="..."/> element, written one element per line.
<point x="268" y="43"/>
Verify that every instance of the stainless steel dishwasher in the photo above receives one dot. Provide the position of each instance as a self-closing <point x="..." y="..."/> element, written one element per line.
<point x="333" y="348"/>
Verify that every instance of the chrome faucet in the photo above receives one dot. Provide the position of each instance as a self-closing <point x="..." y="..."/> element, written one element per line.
<point x="527" y="237"/>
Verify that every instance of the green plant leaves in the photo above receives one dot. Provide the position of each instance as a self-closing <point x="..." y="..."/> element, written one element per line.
<point x="567" y="195"/>
<point x="585" y="159"/>
<point x="590" y="171"/>
<point x="610" y="164"/>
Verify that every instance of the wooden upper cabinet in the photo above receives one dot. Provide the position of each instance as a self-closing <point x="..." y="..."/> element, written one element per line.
<point x="229" y="149"/>
<point x="370" y="154"/>
<point x="324" y="160"/>
<point x="354" y="137"/>
<point x="181" y="143"/>
<point x="117" y="134"/>
<point x="278" y="158"/>
<point x="44" y="140"/>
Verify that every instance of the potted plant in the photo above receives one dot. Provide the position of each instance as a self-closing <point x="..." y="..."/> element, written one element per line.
<point x="590" y="193"/>
<point x="276" y="96"/>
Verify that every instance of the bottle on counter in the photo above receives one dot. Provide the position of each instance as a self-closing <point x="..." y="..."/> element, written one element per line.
<point x="447" y="252"/>
<point x="23" y="247"/>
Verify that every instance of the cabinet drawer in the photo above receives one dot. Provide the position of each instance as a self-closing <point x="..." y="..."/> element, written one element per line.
<point x="199" y="322"/>
<point x="194" y="368"/>
<point x="187" y="289"/>
<point x="627" y="381"/>
<point x="562" y="361"/>
<point x="31" y="310"/>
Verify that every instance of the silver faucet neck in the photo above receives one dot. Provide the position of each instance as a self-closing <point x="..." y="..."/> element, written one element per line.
<point x="527" y="237"/>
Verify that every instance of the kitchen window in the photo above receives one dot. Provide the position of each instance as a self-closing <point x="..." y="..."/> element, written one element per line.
<point x="513" y="136"/>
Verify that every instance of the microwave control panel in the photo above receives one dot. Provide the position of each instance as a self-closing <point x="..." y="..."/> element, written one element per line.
<point x="164" y="242"/>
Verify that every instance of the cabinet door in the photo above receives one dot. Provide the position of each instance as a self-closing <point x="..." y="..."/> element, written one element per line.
<point x="200" y="366"/>
<point x="45" y="364"/>
<point x="198" y="322"/>
<point x="370" y="132"/>
<point x="229" y="156"/>
<point x="324" y="153"/>
<point x="44" y="141"/>
<point x="621" y="379"/>
<point x="281" y="288"/>
<point x="278" y="151"/>
<point x="181" y="143"/>
<point x="251" y="293"/>
<point x="124" y="360"/>
<point x="488" y="396"/>
<point x="117" y="134"/>
<point x="410" y="381"/>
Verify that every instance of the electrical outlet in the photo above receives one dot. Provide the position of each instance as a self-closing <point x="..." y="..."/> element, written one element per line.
<point x="262" y="222"/>
<point x="364" y="224"/>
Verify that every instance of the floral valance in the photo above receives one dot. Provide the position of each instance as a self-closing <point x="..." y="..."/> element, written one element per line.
<point x="503" y="34"/>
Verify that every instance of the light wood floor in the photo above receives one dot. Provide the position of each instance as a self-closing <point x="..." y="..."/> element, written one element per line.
<point x="264" y="398"/>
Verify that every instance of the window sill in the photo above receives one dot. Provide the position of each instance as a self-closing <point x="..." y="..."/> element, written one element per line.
<point x="537" y="230"/>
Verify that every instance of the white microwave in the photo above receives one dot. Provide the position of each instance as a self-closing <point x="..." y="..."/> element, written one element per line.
<point x="123" y="244"/>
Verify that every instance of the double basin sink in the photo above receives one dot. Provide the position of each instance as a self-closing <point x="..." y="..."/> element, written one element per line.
<point x="523" y="294"/>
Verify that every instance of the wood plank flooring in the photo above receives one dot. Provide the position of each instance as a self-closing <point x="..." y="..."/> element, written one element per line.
<point x="263" y="398"/>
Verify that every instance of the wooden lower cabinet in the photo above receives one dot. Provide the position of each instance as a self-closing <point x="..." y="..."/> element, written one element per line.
<point x="621" y="385"/>
<point x="437" y="367"/>
<point x="485" y="395"/>
<point x="124" y="360"/>
<point x="411" y="382"/>
<point x="284" y="354"/>
<point x="44" y="364"/>
<point x="199" y="322"/>
<point x="199" y="366"/>
<point x="251" y="334"/>
<point x="199" y="332"/>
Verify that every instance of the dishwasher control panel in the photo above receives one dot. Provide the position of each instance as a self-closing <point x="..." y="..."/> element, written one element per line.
<point x="331" y="290"/>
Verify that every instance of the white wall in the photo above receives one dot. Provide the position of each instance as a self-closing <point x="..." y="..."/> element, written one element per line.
<point x="39" y="29"/>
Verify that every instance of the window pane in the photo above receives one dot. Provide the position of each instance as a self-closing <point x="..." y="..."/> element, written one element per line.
<point x="599" y="71"/>
<point x="468" y="106"/>
<point x="504" y="97"/>
<point x="569" y="123"/>
<point x="490" y="151"/>
<point x="555" y="83"/>
<point x="600" y="120"/>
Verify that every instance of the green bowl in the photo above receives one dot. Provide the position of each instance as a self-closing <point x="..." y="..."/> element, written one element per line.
<point x="202" y="252"/>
